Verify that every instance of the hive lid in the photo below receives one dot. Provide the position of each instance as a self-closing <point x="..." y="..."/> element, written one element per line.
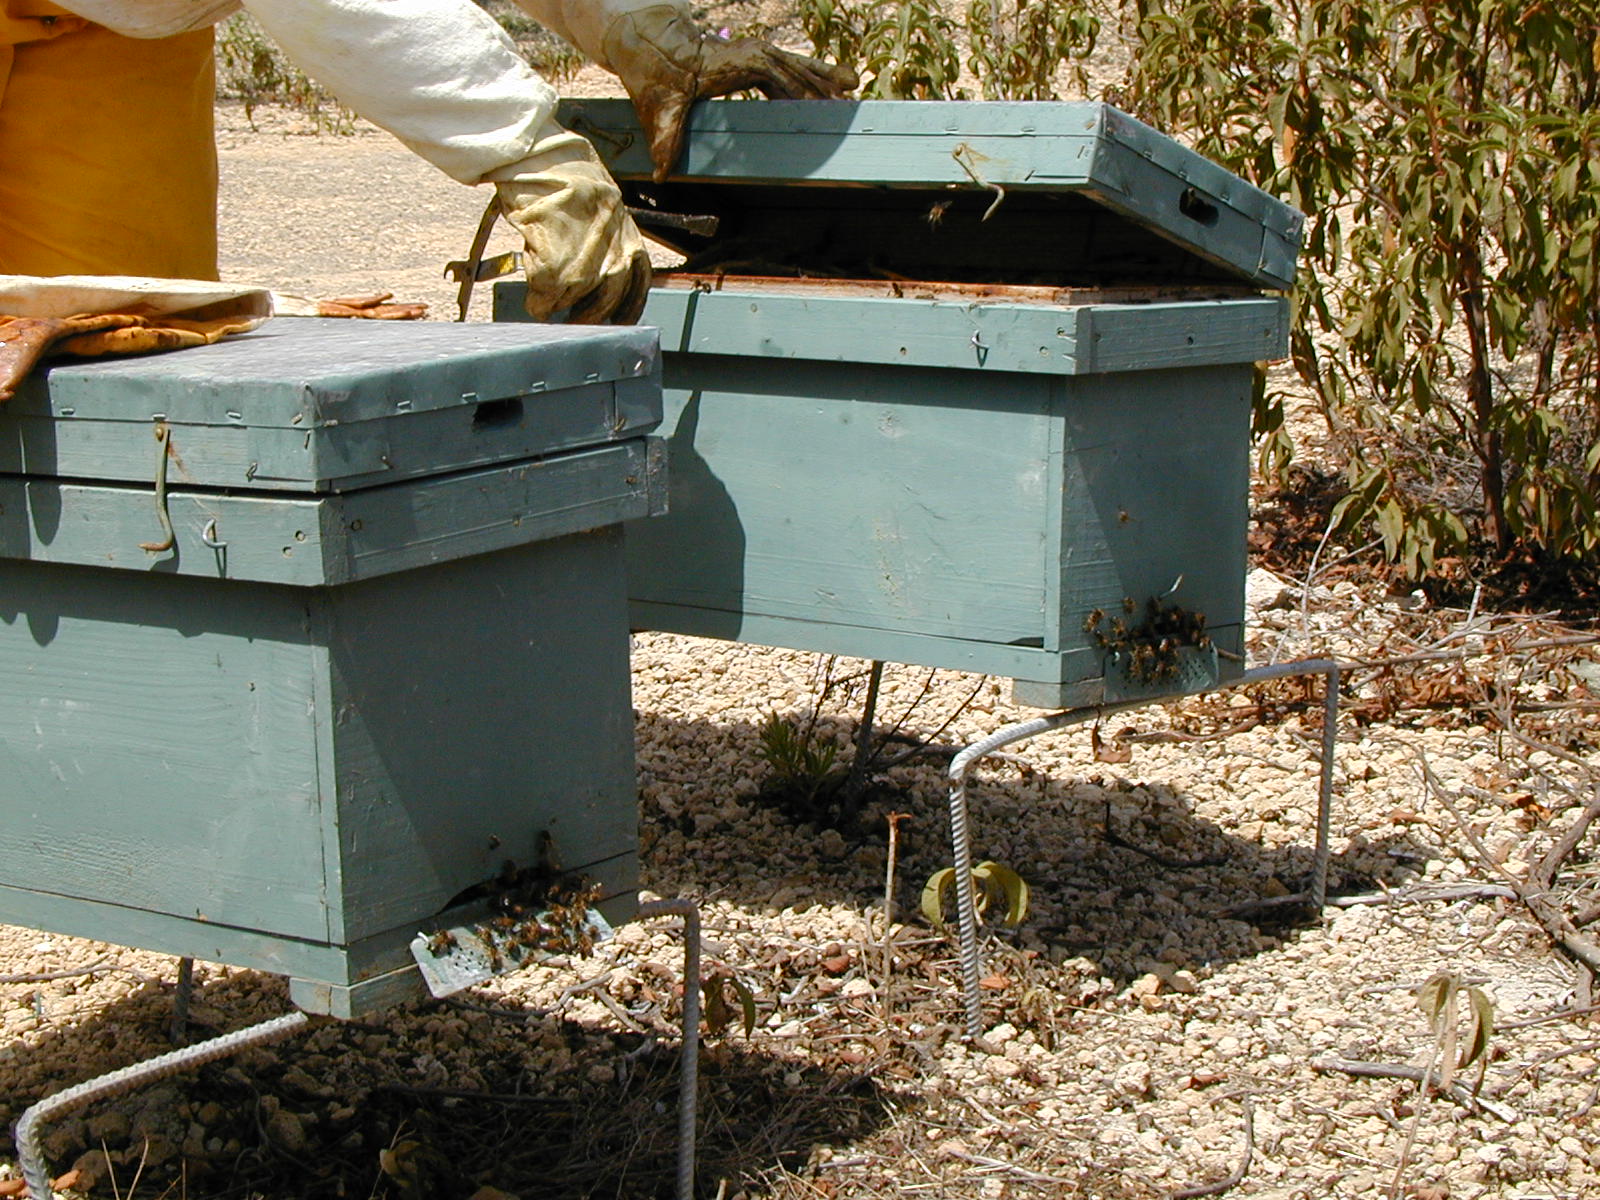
<point x="306" y="404"/>
<point x="1062" y="194"/>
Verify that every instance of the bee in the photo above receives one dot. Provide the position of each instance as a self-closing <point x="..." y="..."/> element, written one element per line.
<point x="441" y="943"/>
<point x="1128" y="605"/>
<point x="1093" y="620"/>
<point x="936" y="213"/>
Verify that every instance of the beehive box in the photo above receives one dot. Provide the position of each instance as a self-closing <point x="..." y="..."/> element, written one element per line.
<point x="956" y="384"/>
<point x="385" y="653"/>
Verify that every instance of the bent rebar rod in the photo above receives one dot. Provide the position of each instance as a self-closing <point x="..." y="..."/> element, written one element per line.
<point x="961" y="840"/>
<point x="689" y="1063"/>
<point x="27" y="1133"/>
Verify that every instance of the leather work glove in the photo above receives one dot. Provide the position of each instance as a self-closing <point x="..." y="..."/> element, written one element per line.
<point x="25" y="340"/>
<point x="584" y="252"/>
<point x="370" y="306"/>
<point x="666" y="62"/>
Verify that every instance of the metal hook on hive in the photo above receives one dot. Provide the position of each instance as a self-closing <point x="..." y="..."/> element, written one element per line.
<point x="164" y="441"/>
<point x="208" y="536"/>
<point x="615" y="142"/>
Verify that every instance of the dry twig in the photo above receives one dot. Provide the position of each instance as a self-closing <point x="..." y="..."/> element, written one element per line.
<point x="1237" y="1175"/>
<point x="1380" y="1070"/>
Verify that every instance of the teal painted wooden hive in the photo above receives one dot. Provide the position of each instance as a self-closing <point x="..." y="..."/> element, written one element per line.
<point x="384" y="655"/>
<point x="965" y="385"/>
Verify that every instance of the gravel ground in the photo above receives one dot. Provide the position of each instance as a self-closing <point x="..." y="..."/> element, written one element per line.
<point x="1145" y="1016"/>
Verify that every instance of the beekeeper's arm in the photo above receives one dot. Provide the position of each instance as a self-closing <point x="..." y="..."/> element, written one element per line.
<point x="444" y="78"/>
<point x="667" y="62"/>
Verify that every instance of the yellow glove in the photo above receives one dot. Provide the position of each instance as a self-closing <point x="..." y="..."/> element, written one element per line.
<point x="666" y="62"/>
<point x="584" y="252"/>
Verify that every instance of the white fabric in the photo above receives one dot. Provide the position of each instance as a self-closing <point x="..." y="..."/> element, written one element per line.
<point x="440" y="75"/>
<point x="74" y="295"/>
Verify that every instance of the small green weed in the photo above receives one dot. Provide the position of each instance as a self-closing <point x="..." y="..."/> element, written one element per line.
<point x="799" y="762"/>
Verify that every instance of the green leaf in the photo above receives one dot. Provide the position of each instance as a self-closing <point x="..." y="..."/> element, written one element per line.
<point x="995" y="886"/>
<point x="939" y="885"/>
<point x="1000" y="883"/>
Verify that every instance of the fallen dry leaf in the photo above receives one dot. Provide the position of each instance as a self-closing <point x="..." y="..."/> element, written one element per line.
<point x="1109" y="751"/>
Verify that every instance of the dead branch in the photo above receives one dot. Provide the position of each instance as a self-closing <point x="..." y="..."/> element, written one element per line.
<point x="1543" y="874"/>
<point x="1379" y="1070"/>
<point x="1161" y="860"/>
<point x="1238" y="1174"/>
<point x="1563" y="1015"/>
<point x="404" y="1089"/>
<point x="1422" y="893"/>
<point x="98" y="964"/>
<point x="1536" y="898"/>
<point x="1010" y="1168"/>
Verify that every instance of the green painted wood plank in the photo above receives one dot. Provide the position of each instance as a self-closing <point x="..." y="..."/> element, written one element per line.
<point x="1156" y="505"/>
<point x="380" y="531"/>
<point x="155" y="732"/>
<point x="478" y="705"/>
<point x="308" y="374"/>
<point x="333" y="539"/>
<point x="163" y="933"/>
<point x="858" y="641"/>
<point x="1119" y="338"/>
<point x="983" y="336"/>
<point x="869" y="496"/>
<point x="312" y="764"/>
<point x="351" y="455"/>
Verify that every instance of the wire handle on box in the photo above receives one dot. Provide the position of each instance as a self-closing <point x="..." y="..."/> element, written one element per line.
<point x="164" y="441"/>
<point x="967" y="158"/>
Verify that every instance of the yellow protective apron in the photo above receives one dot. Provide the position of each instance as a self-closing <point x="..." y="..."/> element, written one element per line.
<point x="108" y="163"/>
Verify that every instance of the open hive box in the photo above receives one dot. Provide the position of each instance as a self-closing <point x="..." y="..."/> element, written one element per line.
<point x="965" y="385"/>
<point x="376" y="679"/>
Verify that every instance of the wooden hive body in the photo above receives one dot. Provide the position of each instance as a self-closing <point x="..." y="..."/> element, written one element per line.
<point x="355" y="686"/>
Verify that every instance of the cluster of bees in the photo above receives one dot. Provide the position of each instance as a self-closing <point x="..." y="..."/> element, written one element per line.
<point x="532" y="915"/>
<point x="1148" y="650"/>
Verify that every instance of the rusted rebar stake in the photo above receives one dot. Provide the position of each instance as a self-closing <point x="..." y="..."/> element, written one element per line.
<point x="689" y="1064"/>
<point x="27" y="1132"/>
<point x="960" y="835"/>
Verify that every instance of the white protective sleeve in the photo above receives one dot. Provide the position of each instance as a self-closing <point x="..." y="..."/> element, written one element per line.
<point x="440" y="75"/>
<point x="584" y="22"/>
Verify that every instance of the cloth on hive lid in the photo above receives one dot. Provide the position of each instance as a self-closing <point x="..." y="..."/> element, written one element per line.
<point x="91" y="315"/>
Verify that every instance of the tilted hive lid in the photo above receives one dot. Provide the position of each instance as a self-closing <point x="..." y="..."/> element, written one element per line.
<point x="1051" y="193"/>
